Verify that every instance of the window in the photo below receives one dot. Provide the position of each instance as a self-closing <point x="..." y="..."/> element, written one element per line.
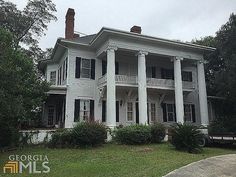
<point x="63" y="71"/>
<point x="170" y="109"/>
<point x="153" y="112"/>
<point x="53" y="77"/>
<point x="129" y="111"/>
<point x="66" y="67"/>
<point x="188" y="113"/>
<point x="84" y="110"/>
<point x="167" y="73"/>
<point x="85" y="68"/>
<point x="187" y="76"/>
<point x="59" y="76"/>
<point x="51" y="110"/>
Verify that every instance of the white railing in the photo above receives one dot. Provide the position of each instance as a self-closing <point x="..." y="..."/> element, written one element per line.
<point x="151" y="82"/>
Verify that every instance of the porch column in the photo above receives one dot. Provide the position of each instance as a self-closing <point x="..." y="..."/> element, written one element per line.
<point x="142" y="89"/>
<point x="179" y="105"/>
<point x="202" y="93"/>
<point x="111" y="88"/>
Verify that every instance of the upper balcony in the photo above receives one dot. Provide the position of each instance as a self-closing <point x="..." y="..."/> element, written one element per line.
<point x="132" y="81"/>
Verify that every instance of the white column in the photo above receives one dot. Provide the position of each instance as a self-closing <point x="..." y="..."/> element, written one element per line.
<point x="202" y="93"/>
<point x="179" y="105"/>
<point x="142" y="88"/>
<point x="111" y="88"/>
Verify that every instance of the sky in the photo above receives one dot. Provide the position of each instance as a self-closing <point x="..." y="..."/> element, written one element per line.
<point x="171" y="19"/>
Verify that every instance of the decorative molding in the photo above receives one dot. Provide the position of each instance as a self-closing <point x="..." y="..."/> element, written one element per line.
<point x="111" y="48"/>
<point x="141" y="52"/>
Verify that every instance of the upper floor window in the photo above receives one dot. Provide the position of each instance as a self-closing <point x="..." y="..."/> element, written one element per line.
<point x="53" y="77"/>
<point x="187" y="76"/>
<point x="151" y="72"/>
<point x="85" y="68"/>
<point x="167" y="73"/>
<point x="64" y="72"/>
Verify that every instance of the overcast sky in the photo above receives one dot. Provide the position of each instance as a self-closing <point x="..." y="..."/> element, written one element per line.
<point x="171" y="19"/>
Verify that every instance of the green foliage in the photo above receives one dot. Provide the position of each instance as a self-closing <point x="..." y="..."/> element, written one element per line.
<point x="89" y="134"/>
<point x="21" y="90"/>
<point x="61" y="138"/>
<point x="222" y="126"/>
<point x="186" y="137"/>
<point x="9" y="136"/>
<point x="158" y="132"/>
<point x="133" y="134"/>
<point x="30" y="23"/>
<point x="221" y="68"/>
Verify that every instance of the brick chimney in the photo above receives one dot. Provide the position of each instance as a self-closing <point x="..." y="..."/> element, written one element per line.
<point x="136" y="29"/>
<point x="69" y="31"/>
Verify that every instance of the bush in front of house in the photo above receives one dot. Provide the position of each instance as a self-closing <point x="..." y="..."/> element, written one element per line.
<point x="186" y="137"/>
<point x="133" y="134"/>
<point x="8" y="136"/>
<point x="89" y="134"/>
<point x="61" y="138"/>
<point x="158" y="132"/>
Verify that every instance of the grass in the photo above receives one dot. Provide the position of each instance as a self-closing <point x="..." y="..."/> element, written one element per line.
<point x="114" y="160"/>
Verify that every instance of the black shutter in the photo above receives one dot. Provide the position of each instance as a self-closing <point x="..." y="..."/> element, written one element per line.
<point x="77" y="110"/>
<point x="164" y="112"/>
<point x="172" y="74"/>
<point x="153" y="72"/>
<point x="193" y="113"/>
<point x="117" y="111"/>
<point x="77" y="67"/>
<point x="104" y="67"/>
<point x="190" y="77"/>
<point x="116" y="68"/>
<point x="93" y="69"/>
<point x="91" y="110"/>
<point x="103" y="111"/>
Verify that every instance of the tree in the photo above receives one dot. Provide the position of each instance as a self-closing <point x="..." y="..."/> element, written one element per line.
<point x="28" y="25"/>
<point x="21" y="90"/>
<point x="221" y="67"/>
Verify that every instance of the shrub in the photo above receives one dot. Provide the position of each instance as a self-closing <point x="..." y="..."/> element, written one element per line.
<point x="186" y="137"/>
<point x="89" y="134"/>
<point x="61" y="138"/>
<point x="8" y="136"/>
<point x="133" y="134"/>
<point x="158" y="132"/>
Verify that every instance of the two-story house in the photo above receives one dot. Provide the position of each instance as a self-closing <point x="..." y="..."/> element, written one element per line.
<point x="119" y="77"/>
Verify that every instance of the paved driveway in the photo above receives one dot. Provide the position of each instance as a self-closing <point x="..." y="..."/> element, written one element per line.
<point x="219" y="166"/>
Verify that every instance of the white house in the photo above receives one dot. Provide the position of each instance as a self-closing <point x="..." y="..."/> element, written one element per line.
<point x="120" y="77"/>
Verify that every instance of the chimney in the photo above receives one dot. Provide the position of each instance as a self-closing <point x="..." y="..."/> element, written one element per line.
<point x="136" y="29"/>
<point x="69" y="31"/>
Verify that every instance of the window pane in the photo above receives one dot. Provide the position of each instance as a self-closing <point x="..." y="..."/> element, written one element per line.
<point x="170" y="117"/>
<point x="53" y="77"/>
<point x="85" y="63"/>
<point x="130" y="116"/>
<point x="169" y="107"/>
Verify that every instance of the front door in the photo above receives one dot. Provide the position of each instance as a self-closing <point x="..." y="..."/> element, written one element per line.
<point x="137" y="113"/>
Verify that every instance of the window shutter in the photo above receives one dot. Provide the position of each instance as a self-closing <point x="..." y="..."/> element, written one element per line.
<point x="190" y="77"/>
<point x="164" y="112"/>
<point x="193" y="113"/>
<point x="77" y="110"/>
<point x="93" y="69"/>
<point x="116" y="68"/>
<point x="77" y="67"/>
<point x="153" y="72"/>
<point x="91" y="110"/>
<point x="104" y="67"/>
<point x="117" y="111"/>
<point x="162" y="73"/>
<point x="103" y="111"/>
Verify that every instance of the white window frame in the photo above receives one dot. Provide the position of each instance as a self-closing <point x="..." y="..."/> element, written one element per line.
<point x="132" y="111"/>
<point x="190" y="113"/>
<point x="151" y="112"/>
<point x="82" y="75"/>
<point x="84" y="112"/>
<point x="173" y="112"/>
<point x="53" y="81"/>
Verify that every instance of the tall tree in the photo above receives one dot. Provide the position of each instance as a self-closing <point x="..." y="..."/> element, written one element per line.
<point x="221" y="67"/>
<point x="21" y="90"/>
<point x="28" y="25"/>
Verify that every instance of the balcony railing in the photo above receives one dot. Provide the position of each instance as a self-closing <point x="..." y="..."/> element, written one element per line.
<point x="124" y="80"/>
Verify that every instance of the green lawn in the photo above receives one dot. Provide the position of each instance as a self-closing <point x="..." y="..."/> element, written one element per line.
<point x="114" y="160"/>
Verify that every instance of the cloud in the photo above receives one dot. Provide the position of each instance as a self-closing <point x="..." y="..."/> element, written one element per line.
<point x="171" y="19"/>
